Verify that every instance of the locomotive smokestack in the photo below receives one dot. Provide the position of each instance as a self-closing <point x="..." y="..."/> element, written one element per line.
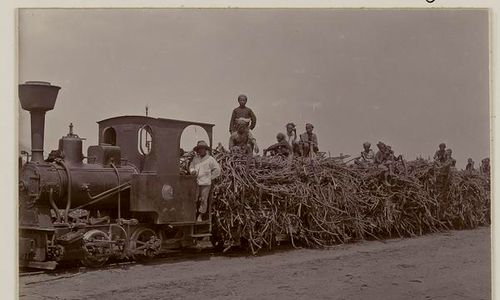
<point x="37" y="97"/>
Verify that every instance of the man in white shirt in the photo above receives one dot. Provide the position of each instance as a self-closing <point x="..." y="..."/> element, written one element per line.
<point x="291" y="138"/>
<point x="206" y="168"/>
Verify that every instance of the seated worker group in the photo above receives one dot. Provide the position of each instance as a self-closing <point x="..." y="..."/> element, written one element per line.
<point x="384" y="159"/>
<point x="243" y="120"/>
<point x="287" y="145"/>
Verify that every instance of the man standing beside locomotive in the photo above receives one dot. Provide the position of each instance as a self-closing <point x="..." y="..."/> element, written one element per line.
<point x="206" y="168"/>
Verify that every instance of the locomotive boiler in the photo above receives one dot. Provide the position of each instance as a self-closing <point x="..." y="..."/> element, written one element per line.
<point x="126" y="198"/>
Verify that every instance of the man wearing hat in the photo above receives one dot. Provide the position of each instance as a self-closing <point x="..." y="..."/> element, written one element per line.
<point x="309" y="141"/>
<point x="206" y="168"/>
<point x="242" y="112"/>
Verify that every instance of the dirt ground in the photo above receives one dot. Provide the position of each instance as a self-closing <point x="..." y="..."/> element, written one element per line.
<point x="453" y="265"/>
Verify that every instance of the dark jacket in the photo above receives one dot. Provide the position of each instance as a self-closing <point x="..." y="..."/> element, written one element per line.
<point x="244" y="112"/>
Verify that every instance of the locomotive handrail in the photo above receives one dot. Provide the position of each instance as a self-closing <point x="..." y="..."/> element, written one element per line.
<point x="118" y="187"/>
<point x="54" y="206"/>
<point x="105" y="194"/>
<point x="122" y="186"/>
<point x="68" y="203"/>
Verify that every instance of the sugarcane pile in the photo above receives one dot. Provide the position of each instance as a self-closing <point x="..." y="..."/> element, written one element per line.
<point x="318" y="202"/>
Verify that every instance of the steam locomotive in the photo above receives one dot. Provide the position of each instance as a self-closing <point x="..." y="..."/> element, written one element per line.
<point x="128" y="200"/>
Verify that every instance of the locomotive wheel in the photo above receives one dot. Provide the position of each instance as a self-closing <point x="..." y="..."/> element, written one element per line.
<point x="119" y="237"/>
<point x="95" y="255"/>
<point x="144" y="244"/>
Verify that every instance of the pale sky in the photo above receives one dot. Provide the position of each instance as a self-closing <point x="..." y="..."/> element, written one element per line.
<point x="409" y="78"/>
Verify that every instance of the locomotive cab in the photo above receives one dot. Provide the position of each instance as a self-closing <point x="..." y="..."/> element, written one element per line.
<point x="158" y="192"/>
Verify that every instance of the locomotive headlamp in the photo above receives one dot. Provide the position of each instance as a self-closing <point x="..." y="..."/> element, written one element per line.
<point x="37" y="97"/>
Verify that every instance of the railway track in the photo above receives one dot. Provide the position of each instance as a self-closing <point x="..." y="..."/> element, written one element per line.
<point x="75" y="267"/>
<point x="69" y="269"/>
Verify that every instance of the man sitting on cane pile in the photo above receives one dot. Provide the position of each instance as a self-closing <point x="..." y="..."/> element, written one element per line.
<point x="384" y="160"/>
<point x="448" y="159"/>
<point x="206" y="168"/>
<point x="470" y="165"/>
<point x="281" y="148"/>
<point x="367" y="156"/>
<point x="484" y="169"/>
<point x="309" y="142"/>
<point x="291" y="138"/>
<point x="439" y="156"/>
<point x="242" y="139"/>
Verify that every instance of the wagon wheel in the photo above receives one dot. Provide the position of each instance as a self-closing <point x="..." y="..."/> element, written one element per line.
<point x="144" y="244"/>
<point x="217" y="243"/>
<point x="216" y="238"/>
<point x="95" y="252"/>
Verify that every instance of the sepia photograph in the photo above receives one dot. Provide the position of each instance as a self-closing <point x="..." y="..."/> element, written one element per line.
<point x="254" y="153"/>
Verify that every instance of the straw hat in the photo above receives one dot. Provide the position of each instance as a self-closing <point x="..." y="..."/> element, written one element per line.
<point x="201" y="144"/>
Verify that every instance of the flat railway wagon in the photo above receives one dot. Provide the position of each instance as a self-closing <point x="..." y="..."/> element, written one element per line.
<point x="125" y="199"/>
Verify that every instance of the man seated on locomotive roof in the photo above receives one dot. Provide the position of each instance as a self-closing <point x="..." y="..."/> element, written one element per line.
<point x="206" y="168"/>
